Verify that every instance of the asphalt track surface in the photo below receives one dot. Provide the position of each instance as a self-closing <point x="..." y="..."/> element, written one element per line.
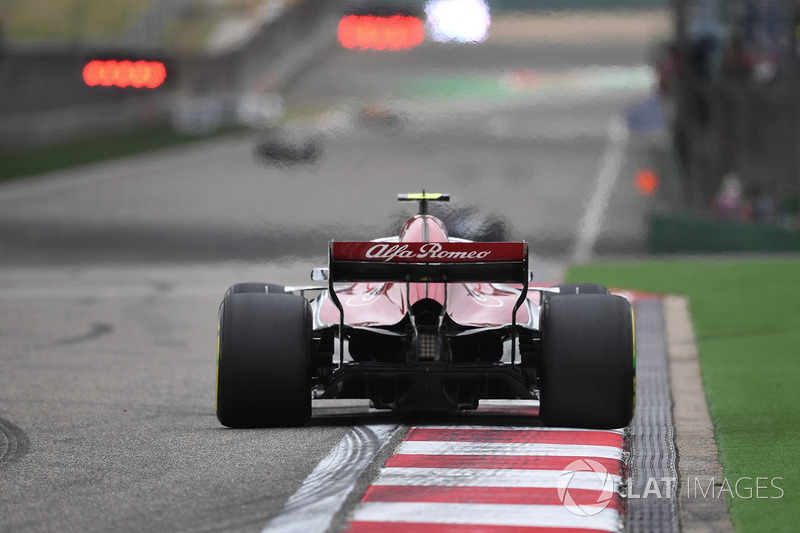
<point x="110" y="276"/>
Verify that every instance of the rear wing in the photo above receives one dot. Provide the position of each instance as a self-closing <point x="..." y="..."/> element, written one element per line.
<point x="420" y="262"/>
<point x="500" y="262"/>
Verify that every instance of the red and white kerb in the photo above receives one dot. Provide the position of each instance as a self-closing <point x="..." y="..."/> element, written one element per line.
<point x="470" y="479"/>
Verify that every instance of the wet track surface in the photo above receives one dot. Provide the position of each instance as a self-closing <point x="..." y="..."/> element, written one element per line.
<point x="110" y="276"/>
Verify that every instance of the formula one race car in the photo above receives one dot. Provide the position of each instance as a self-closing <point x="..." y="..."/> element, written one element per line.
<point x="425" y="322"/>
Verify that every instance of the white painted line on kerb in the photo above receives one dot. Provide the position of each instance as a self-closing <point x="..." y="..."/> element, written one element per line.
<point x="503" y="448"/>
<point x="522" y="428"/>
<point x="489" y="477"/>
<point x="312" y="508"/>
<point x="610" y="164"/>
<point x="490" y="515"/>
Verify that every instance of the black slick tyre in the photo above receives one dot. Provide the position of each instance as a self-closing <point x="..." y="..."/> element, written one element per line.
<point x="264" y="360"/>
<point x="588" y="362"/>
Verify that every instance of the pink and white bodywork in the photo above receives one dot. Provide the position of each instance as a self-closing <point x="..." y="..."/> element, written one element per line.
<point x="424" y="239"/>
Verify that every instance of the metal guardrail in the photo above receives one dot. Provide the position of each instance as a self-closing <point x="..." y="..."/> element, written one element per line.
<point x="261" y="61"/>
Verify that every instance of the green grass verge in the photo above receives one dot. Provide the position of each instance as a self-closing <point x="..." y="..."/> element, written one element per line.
<point x="746" y="315"/>
<point x="19" y="162"/>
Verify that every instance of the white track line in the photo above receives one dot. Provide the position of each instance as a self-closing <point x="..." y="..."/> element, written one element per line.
<point x="610" y="164"/>
<point x="312" y="507"/>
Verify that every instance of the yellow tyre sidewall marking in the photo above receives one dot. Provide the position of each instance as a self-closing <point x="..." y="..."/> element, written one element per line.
<point x="633" y="332"/>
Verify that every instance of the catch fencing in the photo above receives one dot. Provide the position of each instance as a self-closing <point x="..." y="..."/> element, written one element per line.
<point x="747" y="131"/>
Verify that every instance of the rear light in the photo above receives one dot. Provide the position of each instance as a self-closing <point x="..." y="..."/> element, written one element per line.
<point x="136" y="74"/>
<point x="369" y="32"/>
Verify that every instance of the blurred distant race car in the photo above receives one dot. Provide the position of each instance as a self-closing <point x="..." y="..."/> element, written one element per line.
<point x="288" y="149"/>
<point x="379" y="118"/>
<point x="425" y="322"/>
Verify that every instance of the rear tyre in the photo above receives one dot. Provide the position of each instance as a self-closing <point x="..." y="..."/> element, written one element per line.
<point x="588" y="362"/>
<point x="264" y="360"/>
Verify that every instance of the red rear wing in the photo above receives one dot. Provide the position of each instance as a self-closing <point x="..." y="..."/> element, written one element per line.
<point x="501" y="262"/>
